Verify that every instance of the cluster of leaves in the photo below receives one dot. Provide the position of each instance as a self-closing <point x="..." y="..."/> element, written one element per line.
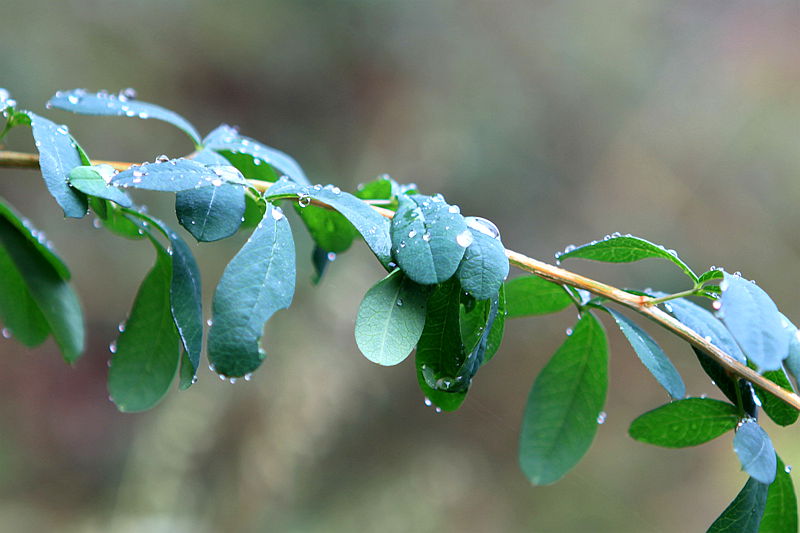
<point x="444" y="298"/>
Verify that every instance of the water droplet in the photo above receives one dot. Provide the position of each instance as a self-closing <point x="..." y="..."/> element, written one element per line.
<point x="336" y="190"/>
<point x="222" y="377"/>
<point x="787" y="468"/>
<point x="97" y="223"/>
<point x="707" y="338"/>
<point x="568" y="331"/>
<point x="121" y="327"/>
<point x="232" y="380"/>
<point x="163" y="158"/>
<point x="248" y="377"/>
<point x="277" y="213"/>
<point x="303" y="199"/>
<point x="717" y="305"/>
<point x="428" y="401"/>
<point x="412" y="234"/>
<point x="128" y="93"/>
<point x="143" y="115"/>
<point x="112" y="347"/>
<point x="569" y="248"/>
<point x="194" y="380"/>
<point x="400" y="302"/>
<point x="6" y="333"/>
<point x="72" y="99"/>
<point x="484" y="226"/>
<point x="464" y="238"/>
<point x="454" y="209"/>
<point x="601" y="418"/>
<point x="426" y="237"/>
<point x="217" y="182"/>
<point x="209" y="323"/>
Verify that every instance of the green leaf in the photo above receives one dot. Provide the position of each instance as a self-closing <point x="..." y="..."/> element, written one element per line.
<point x="780" y="512"/>
<point x="257" y="282"/>
<point x="532" y="295"/>
<point x="176" y="175"/>
<point x="390" y="319"/>
<point x="211" y="213"/>
<point x="625" y="249"/>
<point x="19" y="312"/>
<point x="497" y="329"/>
<point x="711" y="275"/>
<point x="320" y="258"/>
<point x="484" y="266"/>
<point x="780" y="412"/>
<point x="93" y="180"/>
<point x="706" y="325"/>
<point x="686" y="422"/>
<point x="755" y="451"/>
<point x="429" y="238"/>
<point x="792" y="361"/>
<point x="123" y="104"/>
<point x="51" y="293"/>
<point x="372" y="226"/>
<point x="226" y="139"/>
<point x="479" y="341"/>
<point x="440" y="353"/>
<point x="728" y="384"/>
<point x="744" y="513"/>
<point x="148" y="350"/>
<point x="57" y="156"/>
<point x="560" y="418"/>
<point x="330" y="230"/>
<point x="114" y="219"/>
<point x="652" y="356"/>
<point x="35" y="237"/>
<point x="755" y="322"/>
<point x="382" y="188"/>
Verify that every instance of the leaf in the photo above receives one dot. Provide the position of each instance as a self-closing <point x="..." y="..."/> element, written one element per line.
<point x="429" y="238"/>
<point x="320" y="259"/>
<point x="102" y="103"/>
<point x="186" y="297"/>
<point x="728" y="384"/>
<point x="744" y="512"/>
<point x="51" y="293"/>
<point x="176" y="175"/>
<point x="625" y="249"/>
<point x="483" y="267"/>
<point x="148" y="351"/>
<point x="755" y="451"/>
<point x="227" y="139"/>
<point x="257" y="282"/>
<point x="35" y="237"/>
<point x="792" y="361"/>
<point x="755" y="322"/>
<point x="687" y="422"/>
<point x="706" y="325"/>
<point x="19" y="312"/>
<point x="532" y="295"/>
<point x="390" y="319"/>
<point x="57" y="156"/>
<point x="711" y="275"/>
<point x="330" y="230"/>
<point x="652" y="356"/>
<point x="780" y="512"/>
<point x="372" y="226"/>
<point x="211" y="213"/>
<point x="497" y="329"/>
<point x="382" y="188"/>
<point x="560" y="418"/>
<point x="439" y="350"/>
<point x="91" y="180"/>
<point x="114" y="219"/>
<point x="780" y="412"/>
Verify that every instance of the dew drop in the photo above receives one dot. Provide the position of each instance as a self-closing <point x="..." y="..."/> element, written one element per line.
<point x="248" y="377"/>
<point x="72" y="99"/>
<point x="399" y="302"/>
<point x="438" y="409"/>
<point x="121" y="327"/>
<point x="412" y="234"/>
<point x="569" y="248"/>
<point x="163" y="158"/>
<point x="232" y="380"/>
<point x="6" y="333"/>
<point x="787" y="468"/>
<point x="210" y="323"/>
<point x="426" y="237"/>
<point x="194" y="380"/>
<point x="601" y="418"/>
<point x="428" y="401"/>
<point x="303" y="199"/>
<point x="331" y="256"/>
<point x="464" y="238"/>
<point x="454" y="209"/>
<point x="336" y="190"/>
<point x="212" y="367"/>
<point x="717" y="305"/>
<point x="112" y="347"/>
<point x="568" y="331"/>
<point x="484" y="226"/>
<point x="277" y="214"/>
<point x="97" y="223"/>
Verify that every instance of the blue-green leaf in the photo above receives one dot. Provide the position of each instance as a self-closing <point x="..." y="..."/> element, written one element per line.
<point x="35" y="237"/>
<point x="755" y="451"/>
<point x="57" y="156"/>
<point x="624" y="249"/>
<point x="484" y="266"/>
<point x="123" y="104"/>
<point x="429" y="238"/>
<point x="390" y="319"/>
<point x="652" y="356"/>
<point x="792" y="361"/>
<point x="532" y="295"/>
<point x="567" y="397"/>
<point x="779" y="411"/>
<point x="755" y="322"/>
<point x="175" y="175"/>
<point x="226" y="139"/>
<point x="257" y="282"/>
<point x="440" y="352"/>
<point x="498" y="327"/>
<point x="686" y="422"/>
<point x="372" y="226"/>
<point x="780" y="512"/>
<point x="330" y="229"/>
<point x="148" y="350"/>
<point x="744" y="513"/>
<point x="320" y="259"/>
<point x="706" y="325"/>
<point x="94" y="181"/>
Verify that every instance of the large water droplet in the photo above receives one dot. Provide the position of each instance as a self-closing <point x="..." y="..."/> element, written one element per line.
<point x="484" y="226"/>
<point x="464" y="238"/>
<point x="303" y="199"/>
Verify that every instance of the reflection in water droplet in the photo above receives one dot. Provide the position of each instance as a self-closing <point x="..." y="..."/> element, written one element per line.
<point x="601" y="418"/>
<point x="428" y="401"/>
<point x="484" y="226"/>
<point x="464" y="238"/>
<point x="112" y="347"/>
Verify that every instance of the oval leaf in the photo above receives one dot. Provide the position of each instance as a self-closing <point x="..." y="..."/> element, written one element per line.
<point x="257" y="282"/>
<point x="706" y="325"/>
<point x="211" y="213"/>
<point x="390" y="319"/>
<point x="19" y="312"/>
<point x="744" y="513"/>
<point x="625" y="249"/>
<point x="560" y="419"/>
<point x="532" y="295"/>
<point x="119" y="105"/>
<point x="148" y="350"/>
<point x="652" y="356"/>
<point x="686" y="422"/>
<point x="755" y="451"/>
<point x="58" y="154"/>
<point x="35" y="237"/>
<point x="755" y="322"/>
<point x="177" y="175"/>
<point x="780" y="511"/>
<point x="429" y="238"/>
<point x="483" y="267"/>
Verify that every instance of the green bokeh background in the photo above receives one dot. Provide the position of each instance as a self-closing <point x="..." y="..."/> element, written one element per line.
<point x="678" y="121"/>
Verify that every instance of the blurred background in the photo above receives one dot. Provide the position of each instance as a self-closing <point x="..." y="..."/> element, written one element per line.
<point x="561" y="121"/>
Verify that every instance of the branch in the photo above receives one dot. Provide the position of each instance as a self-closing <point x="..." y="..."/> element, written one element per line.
<point x="641" y="304"/>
